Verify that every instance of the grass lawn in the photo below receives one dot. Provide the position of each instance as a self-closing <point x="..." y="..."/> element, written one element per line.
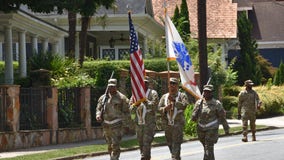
<point x="90" y="150"/>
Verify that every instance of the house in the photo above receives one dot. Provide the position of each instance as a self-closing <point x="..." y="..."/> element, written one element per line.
<point x="266" y="17"/>
<point x="109" y="30"/>
<point x="21" y="34"/>
<point x="107" y="35"/>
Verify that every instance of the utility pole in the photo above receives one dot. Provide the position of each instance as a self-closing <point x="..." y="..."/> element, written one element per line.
<point x="202" y="42"/>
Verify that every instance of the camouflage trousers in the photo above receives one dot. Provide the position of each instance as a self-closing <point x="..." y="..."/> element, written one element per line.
<point x="145" y="135"/>
<point x="174" y="138"/>
<point x="245" y="120"/>
<point x="208" y="138"/>
<point x="113" y="135"/>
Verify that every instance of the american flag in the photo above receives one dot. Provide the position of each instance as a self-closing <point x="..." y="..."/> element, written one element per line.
<point x="137" y="69"/>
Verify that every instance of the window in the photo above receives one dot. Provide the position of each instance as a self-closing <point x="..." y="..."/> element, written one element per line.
<point x="116" y="53"/>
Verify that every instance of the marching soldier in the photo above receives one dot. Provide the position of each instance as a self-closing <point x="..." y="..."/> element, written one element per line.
<point x="112" y="110"/>
<point x="172" y="106"/>
<point x="248" y="104"/>
<point x="208" y="113"/>
<point x="146" y="120"/>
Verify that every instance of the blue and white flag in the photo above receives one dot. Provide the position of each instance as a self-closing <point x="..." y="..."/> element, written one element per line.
<point x="176" y="50"/>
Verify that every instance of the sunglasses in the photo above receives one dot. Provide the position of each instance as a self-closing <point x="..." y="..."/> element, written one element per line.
<point x="173" y="83"/>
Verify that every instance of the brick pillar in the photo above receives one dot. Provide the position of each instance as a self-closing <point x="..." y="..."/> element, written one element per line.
<point x="52" y="113"/>
<point x="85" y="101"/>
<point x="13" y="106"/>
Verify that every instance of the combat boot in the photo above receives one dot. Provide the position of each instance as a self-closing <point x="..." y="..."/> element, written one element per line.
<point x="245" y="139"/>
<point x="253" y="137"/>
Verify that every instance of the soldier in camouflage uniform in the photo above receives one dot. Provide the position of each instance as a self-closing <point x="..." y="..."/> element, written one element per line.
<point x="113" y="114"/>
<point x="172" y="106"/>
<point x="146" y="120"/>
<point x="209" y="113"/>
<point x="248" y="104"/>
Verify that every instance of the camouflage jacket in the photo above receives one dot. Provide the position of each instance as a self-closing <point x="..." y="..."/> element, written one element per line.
<point x="180" y="104"/>
<point x="209" y="112"/>
<point x="248" y="101"/>
<point x="150" y="104"/>
<point x="116" y="108"/>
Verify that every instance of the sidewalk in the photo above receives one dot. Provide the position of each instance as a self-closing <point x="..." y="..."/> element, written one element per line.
<point x="271" y="122"/>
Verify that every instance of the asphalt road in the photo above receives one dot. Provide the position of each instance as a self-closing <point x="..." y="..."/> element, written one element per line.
<point x="269" y="146"/>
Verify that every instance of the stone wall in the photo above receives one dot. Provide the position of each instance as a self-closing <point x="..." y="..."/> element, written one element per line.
<point x="24" y="139"/>
<point x="18" y="139"/>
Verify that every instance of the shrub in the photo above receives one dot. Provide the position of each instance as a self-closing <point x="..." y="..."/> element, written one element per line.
<point x="231" y="91"/>
<point x="229" y="102"/>
<point x="190" y="126"/>
<point x="272" y="101"/>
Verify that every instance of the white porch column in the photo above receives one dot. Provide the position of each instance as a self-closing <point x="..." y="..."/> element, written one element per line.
<point x="1" y="51"/>
<point x="9" y="72"/>
<point x="153" y="48"/>
<point x="55" y="47"/>
<point x="45" y="45"/>
<point x="77" y="46"/>
<point x="62" y="46"/>
<point x="35" y="43"/>
<point x="22" y="54"/>
<point x="145" y="46"/>
<point x="16" y="53"/>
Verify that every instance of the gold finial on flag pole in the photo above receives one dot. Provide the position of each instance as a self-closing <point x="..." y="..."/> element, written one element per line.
<point x="165" y="6"/>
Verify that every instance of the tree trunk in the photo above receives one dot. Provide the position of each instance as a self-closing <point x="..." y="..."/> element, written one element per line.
<point x="202" y="41"/>
<point x="83" y="39"/>
<point x="72" y="34"/>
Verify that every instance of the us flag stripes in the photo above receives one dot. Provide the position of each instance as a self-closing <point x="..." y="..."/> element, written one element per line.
<point x="137" y="69"/>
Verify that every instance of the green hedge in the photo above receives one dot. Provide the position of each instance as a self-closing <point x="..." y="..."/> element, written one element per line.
<point x="102" y="69"/>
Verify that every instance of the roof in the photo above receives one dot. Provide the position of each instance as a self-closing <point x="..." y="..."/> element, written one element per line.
<point x="123" y="6"/>
<point x="23" y="21"/>
<point x="221" y="16"/>
<point x="268" y="26"/>
<point x="248" y="3"/>
<point x="115" y="19"/>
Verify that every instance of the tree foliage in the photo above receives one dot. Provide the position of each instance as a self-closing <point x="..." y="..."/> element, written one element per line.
<point x="181" y="20"/>
<point x="9" y="5"/>
<point x="266" y="68"/>
<point x="184" y="13"/>
<point x="176" y="16"/>
<point x="247" y="64"/>
<point x="279" y="75"/>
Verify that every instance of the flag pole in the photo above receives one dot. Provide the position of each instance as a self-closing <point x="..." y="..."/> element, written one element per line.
<point x="168" y="63"/>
